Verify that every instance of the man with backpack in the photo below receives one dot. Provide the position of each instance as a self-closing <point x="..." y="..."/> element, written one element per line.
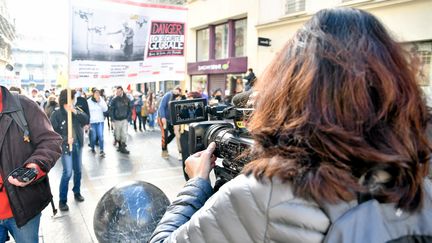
<point x="29" y="149"/>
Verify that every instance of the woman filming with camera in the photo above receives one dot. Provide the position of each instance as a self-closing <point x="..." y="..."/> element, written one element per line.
<point x="341" y="152"/>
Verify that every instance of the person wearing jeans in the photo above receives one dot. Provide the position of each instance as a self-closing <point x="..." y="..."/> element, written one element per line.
<point x="97" y="134"/>
<point x="35" y="146"/>
<point x="71" y="162"/>
<point x="71" y="158"/>
<point x="23" y="234"/>
<point x="97" y="107"/>
<point x="151" y="109"/>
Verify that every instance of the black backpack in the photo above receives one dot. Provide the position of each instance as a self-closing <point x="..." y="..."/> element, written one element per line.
<point x="19" y="118"/>
<point x="375" y="222"/>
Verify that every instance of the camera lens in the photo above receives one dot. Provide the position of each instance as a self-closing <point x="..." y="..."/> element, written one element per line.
<point x="215" y="133"/>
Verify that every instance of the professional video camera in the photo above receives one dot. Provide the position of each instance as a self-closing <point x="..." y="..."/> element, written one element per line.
<point x="228" y="131"/>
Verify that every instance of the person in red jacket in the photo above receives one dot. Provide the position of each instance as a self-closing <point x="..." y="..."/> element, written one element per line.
<point x="21" y="203"/>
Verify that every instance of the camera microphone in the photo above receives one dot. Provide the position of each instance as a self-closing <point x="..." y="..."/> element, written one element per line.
<point x="240" y="100"/>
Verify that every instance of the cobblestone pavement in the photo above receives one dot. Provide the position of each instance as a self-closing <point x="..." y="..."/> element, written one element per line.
<point x="100" y="174"/>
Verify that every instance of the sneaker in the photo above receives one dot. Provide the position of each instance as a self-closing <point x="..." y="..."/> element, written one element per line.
<point x="93" y="150"/>
<point x="102" y="154"/>
<point x="63" y="206"/>
<point x="165" y="154"/>
<point x="79" y="197"/>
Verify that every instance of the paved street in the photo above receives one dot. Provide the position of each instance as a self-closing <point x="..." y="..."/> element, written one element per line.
<point x="99" y="175"/>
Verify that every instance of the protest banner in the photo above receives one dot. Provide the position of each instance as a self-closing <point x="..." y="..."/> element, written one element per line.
<point x="115" y="42"/>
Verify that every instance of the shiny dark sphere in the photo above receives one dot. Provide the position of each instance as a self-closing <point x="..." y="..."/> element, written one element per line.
<point x="129" y="212"/>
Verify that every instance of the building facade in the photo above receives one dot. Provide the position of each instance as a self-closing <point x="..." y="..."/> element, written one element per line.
<point x="7" y="36"/>
<point x="407" y="20"/>
<point x="269" y="24"/>
<point x="38" y="68"/>
<point x="220" y="38"/>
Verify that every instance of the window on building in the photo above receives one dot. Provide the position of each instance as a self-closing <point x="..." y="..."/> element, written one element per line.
<point x="234" y="84"/>
<point x="152" y="86"/>
<point x="240" y="37"/>
<point x="221" y="41"/>
<point x="422" y="51"/>
<point x="170" y="84"/>
<point x="199" y="82"/>
<point x="294" y="6"/>
<point x="203" y="42"/>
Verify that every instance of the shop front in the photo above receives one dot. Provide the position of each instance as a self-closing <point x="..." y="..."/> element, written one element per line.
<point x="222" y="74"/>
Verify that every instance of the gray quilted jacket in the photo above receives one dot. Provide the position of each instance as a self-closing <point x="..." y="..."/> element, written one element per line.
<point x="244" y="210"/>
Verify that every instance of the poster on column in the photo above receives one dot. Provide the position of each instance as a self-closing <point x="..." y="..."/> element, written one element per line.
<point x="118" y="42"/>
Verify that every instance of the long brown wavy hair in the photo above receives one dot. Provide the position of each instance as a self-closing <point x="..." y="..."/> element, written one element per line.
<point x="339" y="100"/>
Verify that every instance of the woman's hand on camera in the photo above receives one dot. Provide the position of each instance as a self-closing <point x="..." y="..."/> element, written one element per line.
<point x="200" y="164"/>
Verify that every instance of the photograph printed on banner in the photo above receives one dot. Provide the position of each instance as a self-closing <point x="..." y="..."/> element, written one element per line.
<point x="100" y="35"/>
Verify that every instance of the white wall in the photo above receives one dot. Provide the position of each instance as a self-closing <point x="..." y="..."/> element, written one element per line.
<point x="407" y="20"/>
<point x="410" y="21"/>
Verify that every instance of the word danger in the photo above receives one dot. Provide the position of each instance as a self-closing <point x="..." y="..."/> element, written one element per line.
<point x="163" y="28"/>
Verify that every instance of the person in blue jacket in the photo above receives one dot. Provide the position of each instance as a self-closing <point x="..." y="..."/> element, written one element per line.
<point x="164" y="120"/>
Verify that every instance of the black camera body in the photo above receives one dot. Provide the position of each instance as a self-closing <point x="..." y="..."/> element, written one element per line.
<point x="227" y="130"/>
<point x="230" y="143"/>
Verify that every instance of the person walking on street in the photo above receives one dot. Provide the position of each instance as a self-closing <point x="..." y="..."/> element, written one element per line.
<point x="151" y="109"/>
<point x="97" y="107"/>
<point x="136" y="112"/>
<point x="120" y="111"/>
<point x="51" y="105"/>
<point x="144" y="112"/>
<point x="71" y="158"/>
<point x="21" y="203"/>
<point x="164" y="121"/>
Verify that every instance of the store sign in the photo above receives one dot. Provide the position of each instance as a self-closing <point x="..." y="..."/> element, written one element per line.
<point x="224" y="66"/>
<point x="264" y="41"/>
<point x="231" y="65"/>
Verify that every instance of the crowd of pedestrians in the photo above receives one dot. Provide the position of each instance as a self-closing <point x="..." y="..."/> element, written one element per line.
<point x="90" y="111"/>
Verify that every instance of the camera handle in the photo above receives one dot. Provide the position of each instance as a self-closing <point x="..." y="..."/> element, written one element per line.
<point x="222" y="175"/>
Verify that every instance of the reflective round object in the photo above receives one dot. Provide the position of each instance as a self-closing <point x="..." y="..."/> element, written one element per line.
<point x="129" y="212"/>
